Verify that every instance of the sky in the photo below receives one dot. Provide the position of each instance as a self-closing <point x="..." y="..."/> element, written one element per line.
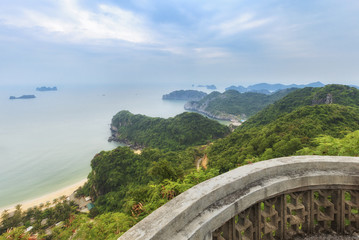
<point x="227" y="42"/>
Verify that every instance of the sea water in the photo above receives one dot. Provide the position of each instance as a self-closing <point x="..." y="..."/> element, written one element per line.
<point x="47" y="143"/>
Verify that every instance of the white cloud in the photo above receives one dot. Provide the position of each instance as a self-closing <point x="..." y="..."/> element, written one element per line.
<point x="210" y="52"/>
<point x="239" y="24"/>
<point x="198" y="53"/>
<point x="289" y="41"/>
<point x="78" y="24"/>
<point x="174" y="50"/>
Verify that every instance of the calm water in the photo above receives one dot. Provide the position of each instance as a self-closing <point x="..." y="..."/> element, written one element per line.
<point x="47" y="143"/>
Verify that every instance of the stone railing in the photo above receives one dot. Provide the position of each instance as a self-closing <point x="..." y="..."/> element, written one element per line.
<point x="275" y="199"/>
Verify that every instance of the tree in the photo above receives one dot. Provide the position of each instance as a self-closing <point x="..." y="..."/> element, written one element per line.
<point x="162" y="170"/>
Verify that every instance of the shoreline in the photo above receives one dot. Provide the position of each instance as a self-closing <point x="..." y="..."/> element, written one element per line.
<point x="67" y="191"/>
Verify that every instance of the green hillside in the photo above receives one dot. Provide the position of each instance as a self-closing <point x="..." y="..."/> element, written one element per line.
<point x="117" y="175"/>
<point x="289" y="125"/>
<point x="338" y="94"/>
<point x="179" y="132"/>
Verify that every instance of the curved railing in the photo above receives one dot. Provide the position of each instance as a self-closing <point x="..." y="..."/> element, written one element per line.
<point x="275" y="199"/>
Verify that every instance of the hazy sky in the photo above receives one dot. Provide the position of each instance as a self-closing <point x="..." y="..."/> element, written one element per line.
<point x="226" y="42"/>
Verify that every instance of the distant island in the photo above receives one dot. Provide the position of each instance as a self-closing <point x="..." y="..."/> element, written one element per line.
<point x="187" y="95"/>
<point x="22" y="97"/>
<point x="211" y="87"/>
<point x="44" y="89"/>
<point x="268" y="88"/>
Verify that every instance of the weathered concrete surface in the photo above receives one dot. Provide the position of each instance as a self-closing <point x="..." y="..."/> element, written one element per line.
<point x="197" y="212"/>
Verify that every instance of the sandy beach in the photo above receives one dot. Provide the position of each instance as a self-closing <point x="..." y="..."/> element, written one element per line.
<point x="67" y="191"/>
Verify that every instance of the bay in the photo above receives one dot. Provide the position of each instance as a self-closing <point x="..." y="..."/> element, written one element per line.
<point x="47" y="143"/>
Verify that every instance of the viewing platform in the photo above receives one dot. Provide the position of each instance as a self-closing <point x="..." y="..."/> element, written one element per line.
<point x="283" y="198"/>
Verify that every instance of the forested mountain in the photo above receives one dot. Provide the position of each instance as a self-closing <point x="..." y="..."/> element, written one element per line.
<point x="338" y="94"/>
<point x="284" y="136"/>
<point x="233" y="104"/>
<point x="268" y="88"/>
<point x="179" y="132"/>
<point x="120" y="175"/>
<point x="289" y="125"/>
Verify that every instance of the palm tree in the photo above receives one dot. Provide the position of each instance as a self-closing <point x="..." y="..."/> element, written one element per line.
<point x="5" y="215"/>
<point x="55" y="201"/>
<point x="17" y="217"/>
<point x="18" y="207"/>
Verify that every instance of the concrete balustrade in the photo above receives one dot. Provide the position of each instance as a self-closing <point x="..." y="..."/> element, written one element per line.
<point x="274" y="199"/>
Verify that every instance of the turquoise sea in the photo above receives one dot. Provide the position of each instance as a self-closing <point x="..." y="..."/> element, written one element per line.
<point x="47" y="143"/>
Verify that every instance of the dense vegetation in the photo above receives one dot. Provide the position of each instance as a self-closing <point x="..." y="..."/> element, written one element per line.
<point x="117" y="175"/>
<point x="289" y="125"/>
<point x="232" y="104"/>
<point x="339" y="94"/>
<point x="39" y="218"/>
<point x="179" y="132"/>
<point x="74" y="225"/>
<point x="127" y="187"/>
<point x="328" y="145"/>
<point x="187" y="95"/>
<point x="284" y="136"/>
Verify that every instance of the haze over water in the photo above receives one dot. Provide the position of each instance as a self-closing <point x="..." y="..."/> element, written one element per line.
<point x="48" y="142"/>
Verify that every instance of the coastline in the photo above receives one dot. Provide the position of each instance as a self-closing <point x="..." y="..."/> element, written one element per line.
<point x="66" y="191"/>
